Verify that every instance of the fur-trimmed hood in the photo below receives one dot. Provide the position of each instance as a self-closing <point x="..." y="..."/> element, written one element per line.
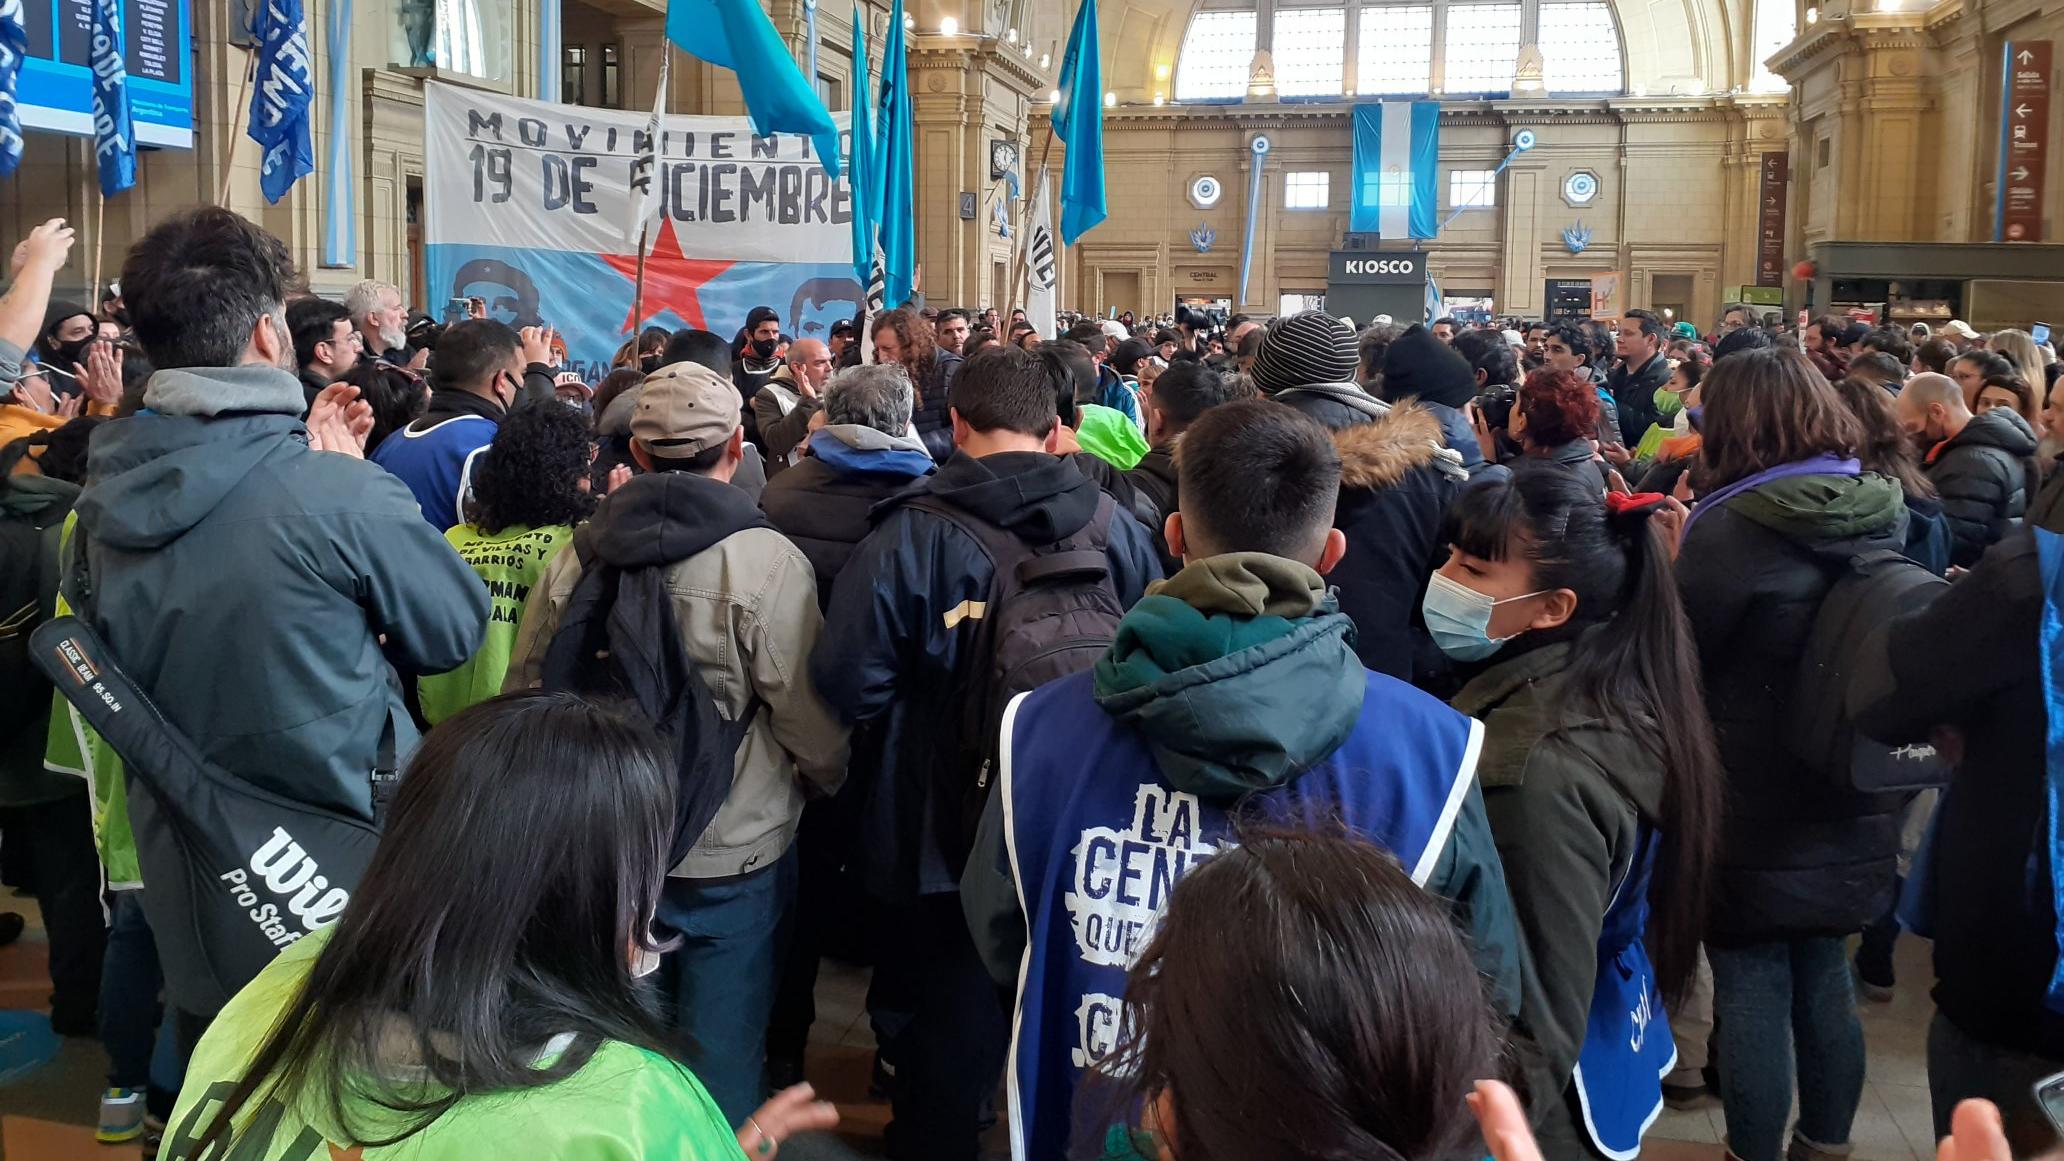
<point x="1381" y="452"/>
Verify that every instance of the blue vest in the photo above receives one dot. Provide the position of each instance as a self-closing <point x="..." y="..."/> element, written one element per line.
<point x="1097" y="840"/>
<point x="437" y="464"/>
<point x="1627" y="1048"/>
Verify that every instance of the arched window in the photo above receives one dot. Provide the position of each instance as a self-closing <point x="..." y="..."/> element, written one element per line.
<point x="1400" y="47"/>
<point x="1777" y="22"/>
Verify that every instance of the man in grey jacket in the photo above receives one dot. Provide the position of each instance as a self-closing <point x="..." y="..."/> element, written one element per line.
<point x="254" y="575"/>
<point x="745" y="602"/>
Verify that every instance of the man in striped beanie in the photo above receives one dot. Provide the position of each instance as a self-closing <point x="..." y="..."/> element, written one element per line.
<point x="1307" y="361"/>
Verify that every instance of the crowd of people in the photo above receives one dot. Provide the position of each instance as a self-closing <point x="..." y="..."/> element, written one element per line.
<point x="1130" y="700"/>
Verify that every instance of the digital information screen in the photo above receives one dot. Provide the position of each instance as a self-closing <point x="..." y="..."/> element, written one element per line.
<point x="56" y="89"/>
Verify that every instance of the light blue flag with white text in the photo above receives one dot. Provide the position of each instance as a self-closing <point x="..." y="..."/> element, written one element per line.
<point x="1078" y="119"/>
<point x="1396" y="170"/>
<point x="737" y="35"/>
<point x="114" y="134"/>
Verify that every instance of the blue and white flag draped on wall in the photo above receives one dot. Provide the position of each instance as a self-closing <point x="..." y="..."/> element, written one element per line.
<point x="1396" y="167"/>
<point x="280" y="99"/>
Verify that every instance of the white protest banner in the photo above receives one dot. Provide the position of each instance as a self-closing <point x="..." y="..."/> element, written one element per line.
<point x="525" y="204"/>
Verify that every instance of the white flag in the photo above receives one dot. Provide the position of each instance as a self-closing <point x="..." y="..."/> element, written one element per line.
<point x="645" y="165"/>
<point x="1040" y="261"/>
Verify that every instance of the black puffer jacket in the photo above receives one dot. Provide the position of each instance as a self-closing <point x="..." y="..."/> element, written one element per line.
<point x="1396" y="481"/>
<point x="1798" y="856"/>
<point x="1986" y="475"/>
<point x="822" y="502"/>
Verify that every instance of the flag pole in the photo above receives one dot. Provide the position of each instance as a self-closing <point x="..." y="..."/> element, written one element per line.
<point x="99" y="242"/>
<point x="638" y="292"/>
<point x="1024" y="274"/>
<point x="236" y="113"/>
<point x="666" y="47"/>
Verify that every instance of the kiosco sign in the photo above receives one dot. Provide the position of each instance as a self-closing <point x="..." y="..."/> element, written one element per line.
<point x="1377" y="268"/>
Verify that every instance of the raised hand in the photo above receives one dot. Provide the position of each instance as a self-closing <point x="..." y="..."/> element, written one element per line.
<point x="47" y="245"/>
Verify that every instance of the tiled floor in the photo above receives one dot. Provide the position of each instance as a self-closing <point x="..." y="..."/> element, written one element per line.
<point x="1893" y="1123"/>
<point x="49" y="1116"/>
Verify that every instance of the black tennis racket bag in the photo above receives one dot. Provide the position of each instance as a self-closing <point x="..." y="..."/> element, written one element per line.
<point x="232" y="872"/>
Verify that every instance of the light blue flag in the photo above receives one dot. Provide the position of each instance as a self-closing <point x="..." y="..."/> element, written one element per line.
<point x="1396" y="166"/>
<point x="114" y="135"/>
<point x="727" y="33"/>
<point x="859" y="166"/>
<point x="897" y="205"/>
<point x="280" y="99"/>
<point x="1078" y="119"/>
<point x="14" y="45"/>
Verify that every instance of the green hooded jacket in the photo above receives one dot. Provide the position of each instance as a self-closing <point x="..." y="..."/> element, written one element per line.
<point x="1240" y="673"/>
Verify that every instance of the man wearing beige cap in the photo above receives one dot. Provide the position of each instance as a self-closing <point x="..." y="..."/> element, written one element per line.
<point x="685" y="550"/>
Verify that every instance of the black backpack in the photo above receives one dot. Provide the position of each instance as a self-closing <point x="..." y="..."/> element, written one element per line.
<point x="618" y="639"/>
<point x="1053" y="610"/>
<point x="1872" y="589"/>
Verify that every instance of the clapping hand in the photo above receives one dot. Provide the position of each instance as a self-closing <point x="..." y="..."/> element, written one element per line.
<point x="101" y="376"/>
<point x="339" y="421"/>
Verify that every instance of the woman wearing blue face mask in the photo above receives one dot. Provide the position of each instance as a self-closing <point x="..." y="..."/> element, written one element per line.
<point x="1600" y="777"/>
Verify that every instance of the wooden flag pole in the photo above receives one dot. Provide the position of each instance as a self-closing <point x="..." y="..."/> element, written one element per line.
<point x="645" y="227"/>
<point x="1024" y="271"/>
<point x="236" y="113"/>
<point x="99" y="243"/>
<point x="638" y="292"/>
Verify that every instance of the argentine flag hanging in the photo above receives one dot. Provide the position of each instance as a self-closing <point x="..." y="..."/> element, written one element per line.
<point x="1396" y="166"/>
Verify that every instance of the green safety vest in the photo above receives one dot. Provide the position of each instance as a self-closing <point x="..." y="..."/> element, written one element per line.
<point x="510" y="562"/>
<point x="625" y="1104"/>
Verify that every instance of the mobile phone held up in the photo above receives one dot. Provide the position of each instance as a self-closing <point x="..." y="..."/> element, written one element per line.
<point x="2049" y="1093"/>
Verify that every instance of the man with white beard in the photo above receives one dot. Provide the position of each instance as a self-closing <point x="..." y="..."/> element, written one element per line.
<point x="378" y="314"/>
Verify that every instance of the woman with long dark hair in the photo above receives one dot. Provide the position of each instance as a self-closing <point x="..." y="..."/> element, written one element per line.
<point x="1784" y="504"/>
<point x="1599" y="774"/>
<point x="478" y="998"/>
<point x="1301" y="999"/>
<point x="902" y="336"/>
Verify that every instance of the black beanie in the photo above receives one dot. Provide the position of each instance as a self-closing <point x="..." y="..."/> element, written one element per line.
<point x="1421" y="366"/>
<point x="1303" y="349"/>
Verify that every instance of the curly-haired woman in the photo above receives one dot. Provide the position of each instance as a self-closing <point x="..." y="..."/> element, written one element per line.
<point x="902" y="336"/>
<point x="529" y="490"/>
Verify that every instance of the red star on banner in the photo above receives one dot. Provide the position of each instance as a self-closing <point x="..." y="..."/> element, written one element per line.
<point x="672" y="281"/>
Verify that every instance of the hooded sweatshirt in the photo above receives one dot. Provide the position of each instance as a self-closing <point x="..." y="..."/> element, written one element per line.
<point x="899" y="645"/>
<point x="745" y="606"/>
<point x="244" y="581"/>
<point x="822" y="502"/>
<point x="1239" y="673"/>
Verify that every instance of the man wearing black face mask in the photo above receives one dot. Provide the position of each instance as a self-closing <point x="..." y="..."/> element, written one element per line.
<point x="68" y="329"/>
<point x="475" y="378"/>
<point x="758" y="362"/>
